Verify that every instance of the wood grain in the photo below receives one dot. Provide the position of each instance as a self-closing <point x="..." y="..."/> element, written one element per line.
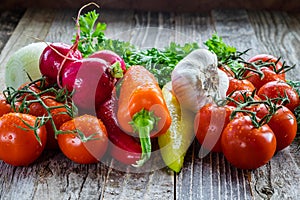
<point x="8" y="22"/>
<point x="279" y="33"/>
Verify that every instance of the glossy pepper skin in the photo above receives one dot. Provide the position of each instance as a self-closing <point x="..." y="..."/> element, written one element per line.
<point x="123" y="147"/>
<point x="176" y="141"/>
<point x="140" y="90"/>
<point x="142" y="110"/>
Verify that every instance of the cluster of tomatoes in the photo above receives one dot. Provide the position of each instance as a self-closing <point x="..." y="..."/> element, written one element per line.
<point x="257" y="120"/>
<point x="39" y="116"/>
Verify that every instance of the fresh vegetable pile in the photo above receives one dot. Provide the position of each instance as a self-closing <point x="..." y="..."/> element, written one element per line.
<point x="100" y="96"/>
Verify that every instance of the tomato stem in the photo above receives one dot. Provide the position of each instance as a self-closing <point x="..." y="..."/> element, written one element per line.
<point x="144" y="122"/>
<point x="259" y="64"/>
<point x="14" y="96"/>
<point x="270" y="103"/>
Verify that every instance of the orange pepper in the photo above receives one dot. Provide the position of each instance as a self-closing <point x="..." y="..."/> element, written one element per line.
<point x="142" y="109"/>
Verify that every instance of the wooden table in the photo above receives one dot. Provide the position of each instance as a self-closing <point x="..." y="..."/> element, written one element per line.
<point x="55" y="177"/>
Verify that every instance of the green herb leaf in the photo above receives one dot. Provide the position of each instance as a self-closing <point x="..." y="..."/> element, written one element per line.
<point x="160" y="62"/>
<point x="91" y="33"/>
<point x="220" y="48"/>
<point x="121" y="48"/>
<point x="226" y="54"/>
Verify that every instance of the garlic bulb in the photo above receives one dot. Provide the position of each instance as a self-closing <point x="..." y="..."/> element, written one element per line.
<point x="223" y="84"/>
<point x="196" y="80"/>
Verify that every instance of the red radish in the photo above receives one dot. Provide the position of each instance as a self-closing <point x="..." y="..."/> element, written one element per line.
<point x="110" y="57"/>
<point x="57" y="55"/>
<point x="53" y="58"/>
<point x="91" y="80"/>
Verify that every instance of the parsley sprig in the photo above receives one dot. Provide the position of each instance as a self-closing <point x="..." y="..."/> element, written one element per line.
<point x="91" y="33"/>
<point x="160" y="62"/>
<point x="226" y="54"/>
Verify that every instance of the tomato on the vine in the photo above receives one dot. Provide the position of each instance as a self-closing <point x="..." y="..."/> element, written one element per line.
<point x="268" y="76"/>
<point x="59" y="116"/>
<point x="19" y="146"/>
<point x="284" y="125"/>
<point x="84" y="139"/>
<point x="245" y="146"/>
<point x="239" y="84"/>
<point x="241" y="96"/>
<point x="227" y="70"/>
<point x="209" y="123"/>
<point x="4" y="106"/>
<point x="280" y="89"/>
<point x="58" y="113"/>
<point x="266" y="58"/>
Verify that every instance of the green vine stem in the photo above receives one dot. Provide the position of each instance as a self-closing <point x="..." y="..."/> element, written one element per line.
<point x="22" y="95"/>
<point x="271" y="103"/>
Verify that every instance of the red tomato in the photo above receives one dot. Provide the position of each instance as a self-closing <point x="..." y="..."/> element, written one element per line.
<point x="245" y="146"/>
<point x="266" y="58"/>
<point x="58" y="114"/>
<point x="59" y="117"/>
<point x="261" y="110"/>
<point x="275" y="89"/>
<point x="20" y="147"/>
<point x="237" y="84"/>
<point x="269" y="75"/>
<point x="76" y="147"/>
<point x="209" y="124"/>
<point x="284" y="125"/>
<point x="240" y="96"/>
<point x="4" y="106"/>
<point x="227" y="70"/>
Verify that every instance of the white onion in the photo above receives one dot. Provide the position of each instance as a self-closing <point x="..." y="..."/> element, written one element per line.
<point x="23" y="61"/>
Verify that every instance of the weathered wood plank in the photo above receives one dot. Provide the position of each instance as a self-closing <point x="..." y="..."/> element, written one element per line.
<point x="62" y="28"/>
<point x="8" y="22"/>
<point x="52" y="177"/>
<point x="235" y="29"/>
<point x="211" y="177"/>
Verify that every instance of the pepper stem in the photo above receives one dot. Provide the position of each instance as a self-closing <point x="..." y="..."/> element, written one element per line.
<point x="144" y="122"/>
<point x="116" y="70"/>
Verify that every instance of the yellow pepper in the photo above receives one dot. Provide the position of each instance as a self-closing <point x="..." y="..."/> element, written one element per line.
<point x="175" y="142"/>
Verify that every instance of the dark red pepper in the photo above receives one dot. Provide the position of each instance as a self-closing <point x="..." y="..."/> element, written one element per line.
<point x="123" y="147"/>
